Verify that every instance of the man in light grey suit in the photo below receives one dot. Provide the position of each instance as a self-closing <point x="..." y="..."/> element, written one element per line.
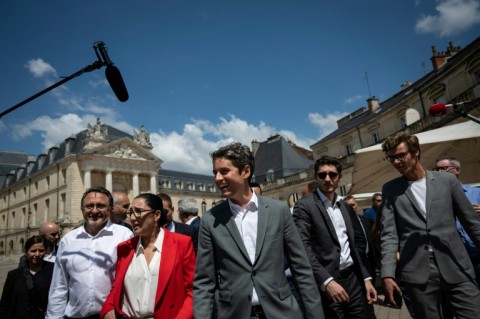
<point x="418" y="219"/>
<point x="241" y="248"/>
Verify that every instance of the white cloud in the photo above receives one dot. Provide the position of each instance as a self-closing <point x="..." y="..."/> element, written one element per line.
<point x="325" y="124"/>
<point x="53" y="131"/>
<point x="188" y="150"/>
<point x="453" y="17"/>
<point x="354" y="99"/>
<point x="40" y="68"/>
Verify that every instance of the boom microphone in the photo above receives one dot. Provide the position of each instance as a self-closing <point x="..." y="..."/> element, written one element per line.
<point x="115" y="80"/>
<point x="112" y="73"/>
<point x="442" y="108"/>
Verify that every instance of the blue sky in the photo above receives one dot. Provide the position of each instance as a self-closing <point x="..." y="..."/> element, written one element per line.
<point x="204" y="73"/>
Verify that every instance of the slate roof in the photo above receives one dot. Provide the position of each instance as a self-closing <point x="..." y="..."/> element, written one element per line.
<point x="277" y="155"/>
<point x="12" y="161"/>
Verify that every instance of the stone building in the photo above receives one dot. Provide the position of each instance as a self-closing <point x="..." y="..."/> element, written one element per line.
<point x="50" y="186"/>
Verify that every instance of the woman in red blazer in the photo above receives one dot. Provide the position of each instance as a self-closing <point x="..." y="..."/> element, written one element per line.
<point x="154" y="275"/>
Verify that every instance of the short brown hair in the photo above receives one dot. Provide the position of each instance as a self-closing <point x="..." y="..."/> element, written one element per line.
<point x="410" y="140"/>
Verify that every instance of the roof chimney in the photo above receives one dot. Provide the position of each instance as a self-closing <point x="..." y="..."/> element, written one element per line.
<point x="373" y="104"/>
<point x="440" y="58"/>
<point x="255" y="145"/>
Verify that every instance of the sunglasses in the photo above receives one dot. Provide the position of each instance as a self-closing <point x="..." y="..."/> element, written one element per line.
<point x="444" y="168"/>
<point x="323" y="175"/>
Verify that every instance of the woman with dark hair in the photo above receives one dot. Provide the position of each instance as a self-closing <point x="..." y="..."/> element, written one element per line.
<point x="25" y="293"/>
<point x="154" y="276"/>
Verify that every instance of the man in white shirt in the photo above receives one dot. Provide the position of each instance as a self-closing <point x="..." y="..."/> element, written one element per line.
<point x="242" y="246"/>
<point x="419" y="225"/>
<point x="327" y="228"/>
<point x="86" y="260"/>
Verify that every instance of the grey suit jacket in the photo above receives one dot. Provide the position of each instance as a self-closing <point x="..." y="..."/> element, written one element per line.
<point x="406" y="230"/>
<point x="224" y="272"/>
<point x="320" y="239"/>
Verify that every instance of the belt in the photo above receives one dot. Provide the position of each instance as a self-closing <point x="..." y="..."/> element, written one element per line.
<point x="344" y="273"/>
<point x="144" y="317"/>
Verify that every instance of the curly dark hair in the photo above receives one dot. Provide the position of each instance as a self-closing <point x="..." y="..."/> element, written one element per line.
<point x="410" y="140"/>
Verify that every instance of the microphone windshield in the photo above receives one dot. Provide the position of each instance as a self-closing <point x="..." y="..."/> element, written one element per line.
<point x="438" y="109"/>
<point x="114" y="78"/>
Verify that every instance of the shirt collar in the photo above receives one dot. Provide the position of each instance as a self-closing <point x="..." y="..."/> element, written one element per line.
<point x="157" y="244"/>
<point x="252" y="205"/>
<point x="325" y="200"/>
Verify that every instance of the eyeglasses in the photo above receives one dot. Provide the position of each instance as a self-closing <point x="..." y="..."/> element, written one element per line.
<point x="323" y="175"/>
<point x="100" y="207"/>
<point x="138" y="212"/>
<point x="399" y="156"/>
<point x="444" y="168"/>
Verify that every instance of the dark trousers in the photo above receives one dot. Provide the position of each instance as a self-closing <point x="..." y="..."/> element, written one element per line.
<point x="355" y="308"/>
<point x="429" y="300"/>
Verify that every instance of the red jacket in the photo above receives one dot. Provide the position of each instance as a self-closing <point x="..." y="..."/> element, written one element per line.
<point x="175" y="282"/>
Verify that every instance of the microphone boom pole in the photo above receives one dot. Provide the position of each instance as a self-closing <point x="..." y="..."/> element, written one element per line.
<point x="104" y="60"/>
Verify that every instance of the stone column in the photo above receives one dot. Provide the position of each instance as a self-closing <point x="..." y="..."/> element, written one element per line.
<point x="153" y="184"/>
<point x="136" y="184"/>
<point x="108" y="181"/>
<point x="87" y="178"/>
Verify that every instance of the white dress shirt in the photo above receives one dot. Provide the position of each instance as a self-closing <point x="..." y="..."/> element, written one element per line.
<point x="84" y="271"/>
<point x="246" y="220"/>
<point x="338" y="222"/>
<point x="141" y="281"/>
<point x="189" y="222"/>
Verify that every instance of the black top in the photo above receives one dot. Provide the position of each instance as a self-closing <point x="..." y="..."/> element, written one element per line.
<point x="17" y="302"/>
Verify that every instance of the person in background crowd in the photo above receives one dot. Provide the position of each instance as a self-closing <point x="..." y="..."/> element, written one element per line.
<point x="240" y="271"/>
<point x="51" y="232"/>
<point x="309" y="188"/>
<point x="188" y="212"/>
<point x="326" y="227"/>
<point x="86" y="260"/>
<point x="418" y="218"/>
<point x="119" y="211"/>
<point x="371" y="213"/>
<point x="154" y="273"/>
<point x="175" y="227"/>
<point x="452" y="165"/>
<point x="256" y="188"/>
<point x="25" y="293"/>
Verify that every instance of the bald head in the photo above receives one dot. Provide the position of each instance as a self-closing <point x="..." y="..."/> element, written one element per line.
<point x="120" y="207"/>
<point x="50" y="231"/>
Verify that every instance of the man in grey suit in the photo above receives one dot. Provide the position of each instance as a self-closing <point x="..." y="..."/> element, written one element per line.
<point x="241" y="248"/>
<point x="418" y="218"/>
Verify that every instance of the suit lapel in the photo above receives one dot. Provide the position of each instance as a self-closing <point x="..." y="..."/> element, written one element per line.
<point x="166" y="263"/>
<point x="261" y="226"/>
<point x="411" y="198"/>
<point x="430" y="192"/>
<point x="326" y="217"/>
<point x="226" y="218"/>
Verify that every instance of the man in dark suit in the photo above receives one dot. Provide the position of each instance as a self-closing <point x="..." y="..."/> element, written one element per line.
<point x="325" y="225"/>
<point x="418" y="217"/>
<point x="173" y="226"/>
<point x="241" y="248"/>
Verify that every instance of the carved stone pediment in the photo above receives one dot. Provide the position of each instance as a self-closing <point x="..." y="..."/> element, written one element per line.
<point x="96" y="135"/>
<point x="123" y="148"/>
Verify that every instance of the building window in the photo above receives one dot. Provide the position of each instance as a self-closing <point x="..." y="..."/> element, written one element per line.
<point x="47" y="179"/>
<point x="47" y="208"/>
<point x="343" y="190"/>
<point x="64" y="175"/>
<point x="204" y="207"/>
<point x="12" y="220"/>
<point x="348" y="148"/>
<point x="270" y="175"/>
<point x="375" y="138"/>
